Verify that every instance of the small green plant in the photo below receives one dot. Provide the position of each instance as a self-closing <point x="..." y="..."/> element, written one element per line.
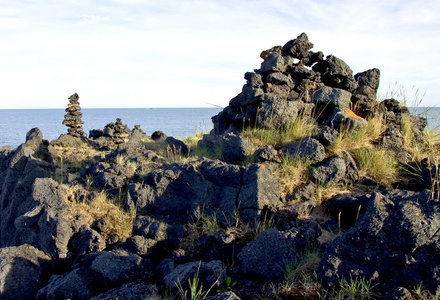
<point x="418" y="293"/>
<point x="207" y="223"/>
<point x="357" y="288"/>
<point x="229" y="285"/>
<point x="296" y="270"/>
<point x="267" y="223"/>
<point x="196" y="290"/>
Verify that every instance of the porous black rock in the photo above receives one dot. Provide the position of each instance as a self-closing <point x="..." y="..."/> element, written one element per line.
<point x="23" y="271"/>
<point x="307" y="149"/>
<point x="393" y="244"/>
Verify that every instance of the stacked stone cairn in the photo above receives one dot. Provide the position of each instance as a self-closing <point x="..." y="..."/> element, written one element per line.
<point x="295" y="81"/>
<point x="73" y="117"/>
<point x="118" y="132"/>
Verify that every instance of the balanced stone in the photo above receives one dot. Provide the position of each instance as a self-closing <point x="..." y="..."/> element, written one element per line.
<point x="73" y="117"/>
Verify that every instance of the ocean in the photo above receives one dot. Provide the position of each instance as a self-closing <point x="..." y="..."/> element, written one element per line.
<point x="176" y="122"/>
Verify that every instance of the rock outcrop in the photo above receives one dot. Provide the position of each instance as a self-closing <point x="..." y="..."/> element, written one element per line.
<point x="126" y="216"/>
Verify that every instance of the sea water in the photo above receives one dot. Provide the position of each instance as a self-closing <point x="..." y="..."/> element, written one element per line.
<point x="176" y="122"/>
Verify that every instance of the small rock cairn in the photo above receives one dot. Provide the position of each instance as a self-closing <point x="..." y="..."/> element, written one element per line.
<point x="73" y="117"/>
<point x="117" y="131"/>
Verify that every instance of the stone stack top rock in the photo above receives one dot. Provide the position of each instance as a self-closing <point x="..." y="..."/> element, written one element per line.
<point x="73" y="117"/>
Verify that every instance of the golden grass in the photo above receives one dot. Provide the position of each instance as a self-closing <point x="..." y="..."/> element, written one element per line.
<point x="128" y="165"/>
<point x="302" y="126"/>
<point x="350" y="140"/>
<point x="79" y="154"/>
<point x="377" y="163"/>
<point x="429" y="147"/>
<point x="290" y="174"/>
<point x="323" y="193"/>
<point x="101" y="207"/>
<point x="192" y="141"/>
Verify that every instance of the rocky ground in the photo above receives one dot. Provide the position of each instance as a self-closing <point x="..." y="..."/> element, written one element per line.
<point x="308" y="187"/>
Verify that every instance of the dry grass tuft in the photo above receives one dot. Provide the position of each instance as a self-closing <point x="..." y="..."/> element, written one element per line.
<point x="101" y="207"/>
<point x="350" y="140"/>
<point x="323" y="193"/>
<point x="302" y="126"/>
<point x="377" y="163"/>
<point x="290" y="174"/>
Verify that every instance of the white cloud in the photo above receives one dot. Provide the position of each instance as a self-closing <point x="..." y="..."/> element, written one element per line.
<point x="185" y="53"/>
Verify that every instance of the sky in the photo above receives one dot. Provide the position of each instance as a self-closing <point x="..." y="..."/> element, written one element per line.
<point x="179" y="53"/>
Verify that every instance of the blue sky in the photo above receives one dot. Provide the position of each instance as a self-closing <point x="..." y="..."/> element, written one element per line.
<point x="168" y="53"/>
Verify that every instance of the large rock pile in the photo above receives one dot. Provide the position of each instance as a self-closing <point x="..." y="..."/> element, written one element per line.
<point x="73" y="117"/>
<point x="293" y="80"/>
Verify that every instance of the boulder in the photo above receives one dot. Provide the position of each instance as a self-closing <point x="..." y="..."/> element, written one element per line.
<point x="158" y="136"/>
<point x="117" y="267"/>
<point x="23" y="271"/>
<point x="176" y="189"/>
<point x="55" y="232"/>
<point x="98" y="273"/>
<point x="345" y="120"/>
<point x="327" y="136"/>
<point x="267" y="255"/>
<point x="130" y="291"/>
<point x="274" y="62"/>
<point x="364" y="97"/>
<point x="34" y="138"/>
<point x="209" y="274"/>
<point x="36" y="213"/>
<point x="95" y="133"/>
<point x="328" y="98"/>
<point x="275" y="112"/>
<point x="351" y="169"/>
<point x="336" y="73"/>
<point x="87" y="241"/>
<point x="137" y="136"/>
<point x="110" y="179"/>
<point x="235" y="147"/>
<point x="298" y="48"/>
<point x="305" y="193"/>
<point x="166" y="233"/>
<point x="394" y="244"/>
<point x="267" y="154"/>
<point x="211" y="143"/>
<point x="260" y="190"/>
<point x="330" y="172"/>
<point x="176" y="147"/>
<point x="306" y="149"/>
<point x="213" y="188"/>
<point x="139" y="245"/>
<point x="76" y="284"/>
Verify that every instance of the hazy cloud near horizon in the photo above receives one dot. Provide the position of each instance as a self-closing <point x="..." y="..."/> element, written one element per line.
<point x="133" y="53"/>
